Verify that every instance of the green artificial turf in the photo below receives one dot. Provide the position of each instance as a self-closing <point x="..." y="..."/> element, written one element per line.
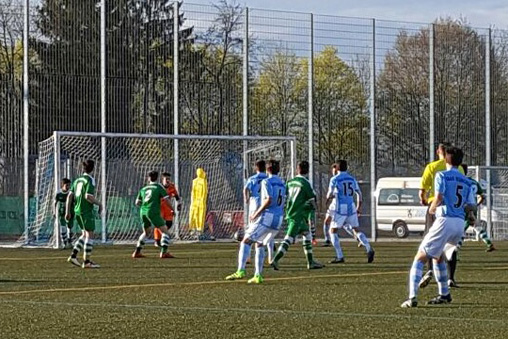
<point x="43" y="296"/>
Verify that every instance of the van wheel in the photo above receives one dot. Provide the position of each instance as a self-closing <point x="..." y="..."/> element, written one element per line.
<point x="400" y="229"/>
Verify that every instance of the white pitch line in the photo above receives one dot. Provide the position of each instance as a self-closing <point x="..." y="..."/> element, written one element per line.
<point x="258" y="310"/>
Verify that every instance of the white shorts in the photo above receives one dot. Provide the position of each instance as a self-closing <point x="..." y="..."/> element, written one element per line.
<point x="339" y="221"/>
<point x="260" y="234"/>
<point x="444" y="231"/>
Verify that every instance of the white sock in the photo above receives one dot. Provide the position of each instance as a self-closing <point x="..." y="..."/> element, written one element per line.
<point x="334" y="237"/>
<point x="415" y="275"/>
<point x="270" y="245"/>
<point x="326" y="231"/>
<point x="260" y="258"/>
<point x="141" y="240"/>
<point x="441" y="275"/>
<point x="243" y="255"/>
<point x="363" y="240"/>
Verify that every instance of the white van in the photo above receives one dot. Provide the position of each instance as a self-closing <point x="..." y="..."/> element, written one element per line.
<point x="398" y="208"/>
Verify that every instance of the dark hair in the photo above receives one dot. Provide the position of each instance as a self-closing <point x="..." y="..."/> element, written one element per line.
<point x="88" y="166"/>
<point x="464" y="167"/>
<point x="165" y="175"/>
<point x="65" y="181"/>
<point x="342" y="165"/>
<point x="443" y="146"/>
<point x="153" y="175"/>
<point x="261" y="165"/>
<point x="273" y="166"/>
<point x="304" y="167"/>
<point x="456" y="155"/>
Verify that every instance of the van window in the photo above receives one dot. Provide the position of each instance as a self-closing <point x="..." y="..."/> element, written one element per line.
<point x="398" y="197"/>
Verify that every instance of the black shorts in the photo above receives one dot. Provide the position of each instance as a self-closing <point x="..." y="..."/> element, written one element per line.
<point x="169" y="223"/>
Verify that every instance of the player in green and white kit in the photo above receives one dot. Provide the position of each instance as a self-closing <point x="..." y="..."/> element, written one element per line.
<point x="300" y="203"/>
<point x="59" y="212"/>
<point x="149" y="199"/>
<point x="82" y="194"/>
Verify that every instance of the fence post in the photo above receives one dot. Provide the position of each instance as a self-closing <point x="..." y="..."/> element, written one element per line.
<point x="488" y="141"/>
<point x="245" y="98"/>
<point x="176" y="48"/>
<point x="26" y="197"/>
<point x="104" y="184"/>
<point x="431" y="94"/>
<point x="372" y="111"/>
<point x="310" y="101"/>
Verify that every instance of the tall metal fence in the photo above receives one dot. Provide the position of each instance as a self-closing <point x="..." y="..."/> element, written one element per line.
<point x="380" y="94"/>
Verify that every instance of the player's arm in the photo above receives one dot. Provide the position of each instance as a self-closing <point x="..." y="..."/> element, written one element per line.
<point x="440" y="190"/>
<point x="331" y="192"/>
<point x="425" y="185"/>
<point x="138" y="199"/>
<point x="68" y="205"/>
<point x="177" y="198"/>
<point x="360" y="197"/>
<point x="266" y="191"/>
<point x="480" y="193"/>
<point x="167" y="201"/>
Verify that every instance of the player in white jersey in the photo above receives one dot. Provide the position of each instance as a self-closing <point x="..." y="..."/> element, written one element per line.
<point x="265" y="221"/>
<point x="453" y="196"/>
<point x="342" y="188"/>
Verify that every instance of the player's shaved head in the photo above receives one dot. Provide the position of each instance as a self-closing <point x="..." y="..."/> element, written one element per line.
<point x="260" y="166"/>
<point x="153" y="175"/>
<point x="65" y="181"/>
<point x="88" y="166"/>
<point x="303" y="167"/>
<point x="165" y="175"/>
<point x="454" y="156"/>
<point x="273" y="167"/>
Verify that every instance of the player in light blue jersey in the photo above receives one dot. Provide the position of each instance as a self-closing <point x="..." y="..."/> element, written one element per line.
<point x="454" y="195"/>
<point x="342" y="189"/>
<point x="265" y="221"/>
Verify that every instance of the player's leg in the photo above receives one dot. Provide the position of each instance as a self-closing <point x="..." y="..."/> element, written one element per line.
<point x="441" y="275"/>
<point x="289" y="238"/>
<point x="307" y="249"/>
<point x="165" y="239"/>
<point x="157" y="236"/>
<point x="429" y="221"/>
<point x="69" y="224"/>
<point x="270" y="249"/>
<point x="264" y="236"/>
<point x="450" y="253"/>
<point x="80" y="243"/>
<point x="251" y="234"/>
<point x="415" y="275"/>
<point x="63" y="230"/>
<point x="141" y="240"/>
<point x="352" y="220"/>
<point x="326" y="229"/>
<point x="89" y="228"/>
<point x="482" y="234"/>
<point x="336" y="223"/>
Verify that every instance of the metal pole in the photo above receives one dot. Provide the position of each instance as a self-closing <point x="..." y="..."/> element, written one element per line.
<point x="26" y="96"/>
<point x="176" y="48"/>
<point x="431" y="94"/>
<point x="372" y="111"/>
<point x="311" y="103"/>
<point x="103" y="122"/>
<point x="488" y="141"/>
<point x="245" y="107"/>
<point x="293" y="157"/>
<point x="56" y="164"/>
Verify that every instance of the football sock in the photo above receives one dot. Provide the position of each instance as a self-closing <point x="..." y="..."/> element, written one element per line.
<point x="270" y="246"/>
<point x="283" y="248"/>
<point x="326" y="231"/>
<point x="164" y="243"/>
<point x="260" y="258"/>
<point x="483" y="235"/>
<point x="157" y="235"/>
<point x="441" y="277"/>
<point x="88" y="249"/>
<point x="243" y="255"/>
<point x="63" y="230"/>
<point x="141" y="242"/>
<point x="415" y="275"/>
<point x="363" y="240"/>
<point x="336" y="244"/>
<point x="78" y="246"/>
<point x="452" y="265"/>
<point x="307" y="248"/>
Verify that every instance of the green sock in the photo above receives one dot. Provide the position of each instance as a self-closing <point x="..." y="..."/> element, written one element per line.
<point x="307" y="249"/>
<point x="485" y="238"/>
<point x="283" y="248"/>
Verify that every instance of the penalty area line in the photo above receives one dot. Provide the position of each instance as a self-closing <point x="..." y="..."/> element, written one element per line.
<point x="196" y="283"/>
<point x="257" y="311"/>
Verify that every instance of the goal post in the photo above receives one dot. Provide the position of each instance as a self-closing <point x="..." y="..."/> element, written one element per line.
<point x="121" y="170"/>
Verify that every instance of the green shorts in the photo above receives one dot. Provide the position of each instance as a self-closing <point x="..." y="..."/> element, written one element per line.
<point x="297" y="227"/>
<point x="152" y="219"/>
<point x="86" y="221"/>
<point x="66" y="223"/>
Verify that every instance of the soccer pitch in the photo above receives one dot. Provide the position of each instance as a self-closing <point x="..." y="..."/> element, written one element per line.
<point x="43" y="296"/>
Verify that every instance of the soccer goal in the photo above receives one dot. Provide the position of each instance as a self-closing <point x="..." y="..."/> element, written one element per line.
<point x="493" y="213"/>
<point x="121" y="164"/>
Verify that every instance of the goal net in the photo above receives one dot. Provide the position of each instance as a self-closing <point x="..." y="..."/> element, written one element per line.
<point x="493" y="213"/>
<point x="122" y="162"/>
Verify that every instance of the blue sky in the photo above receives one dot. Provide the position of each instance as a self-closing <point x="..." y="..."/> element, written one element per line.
<point x="479" y="13"/>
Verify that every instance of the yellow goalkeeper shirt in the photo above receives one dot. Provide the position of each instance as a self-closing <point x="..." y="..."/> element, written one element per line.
<point x="429" y="174"/>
